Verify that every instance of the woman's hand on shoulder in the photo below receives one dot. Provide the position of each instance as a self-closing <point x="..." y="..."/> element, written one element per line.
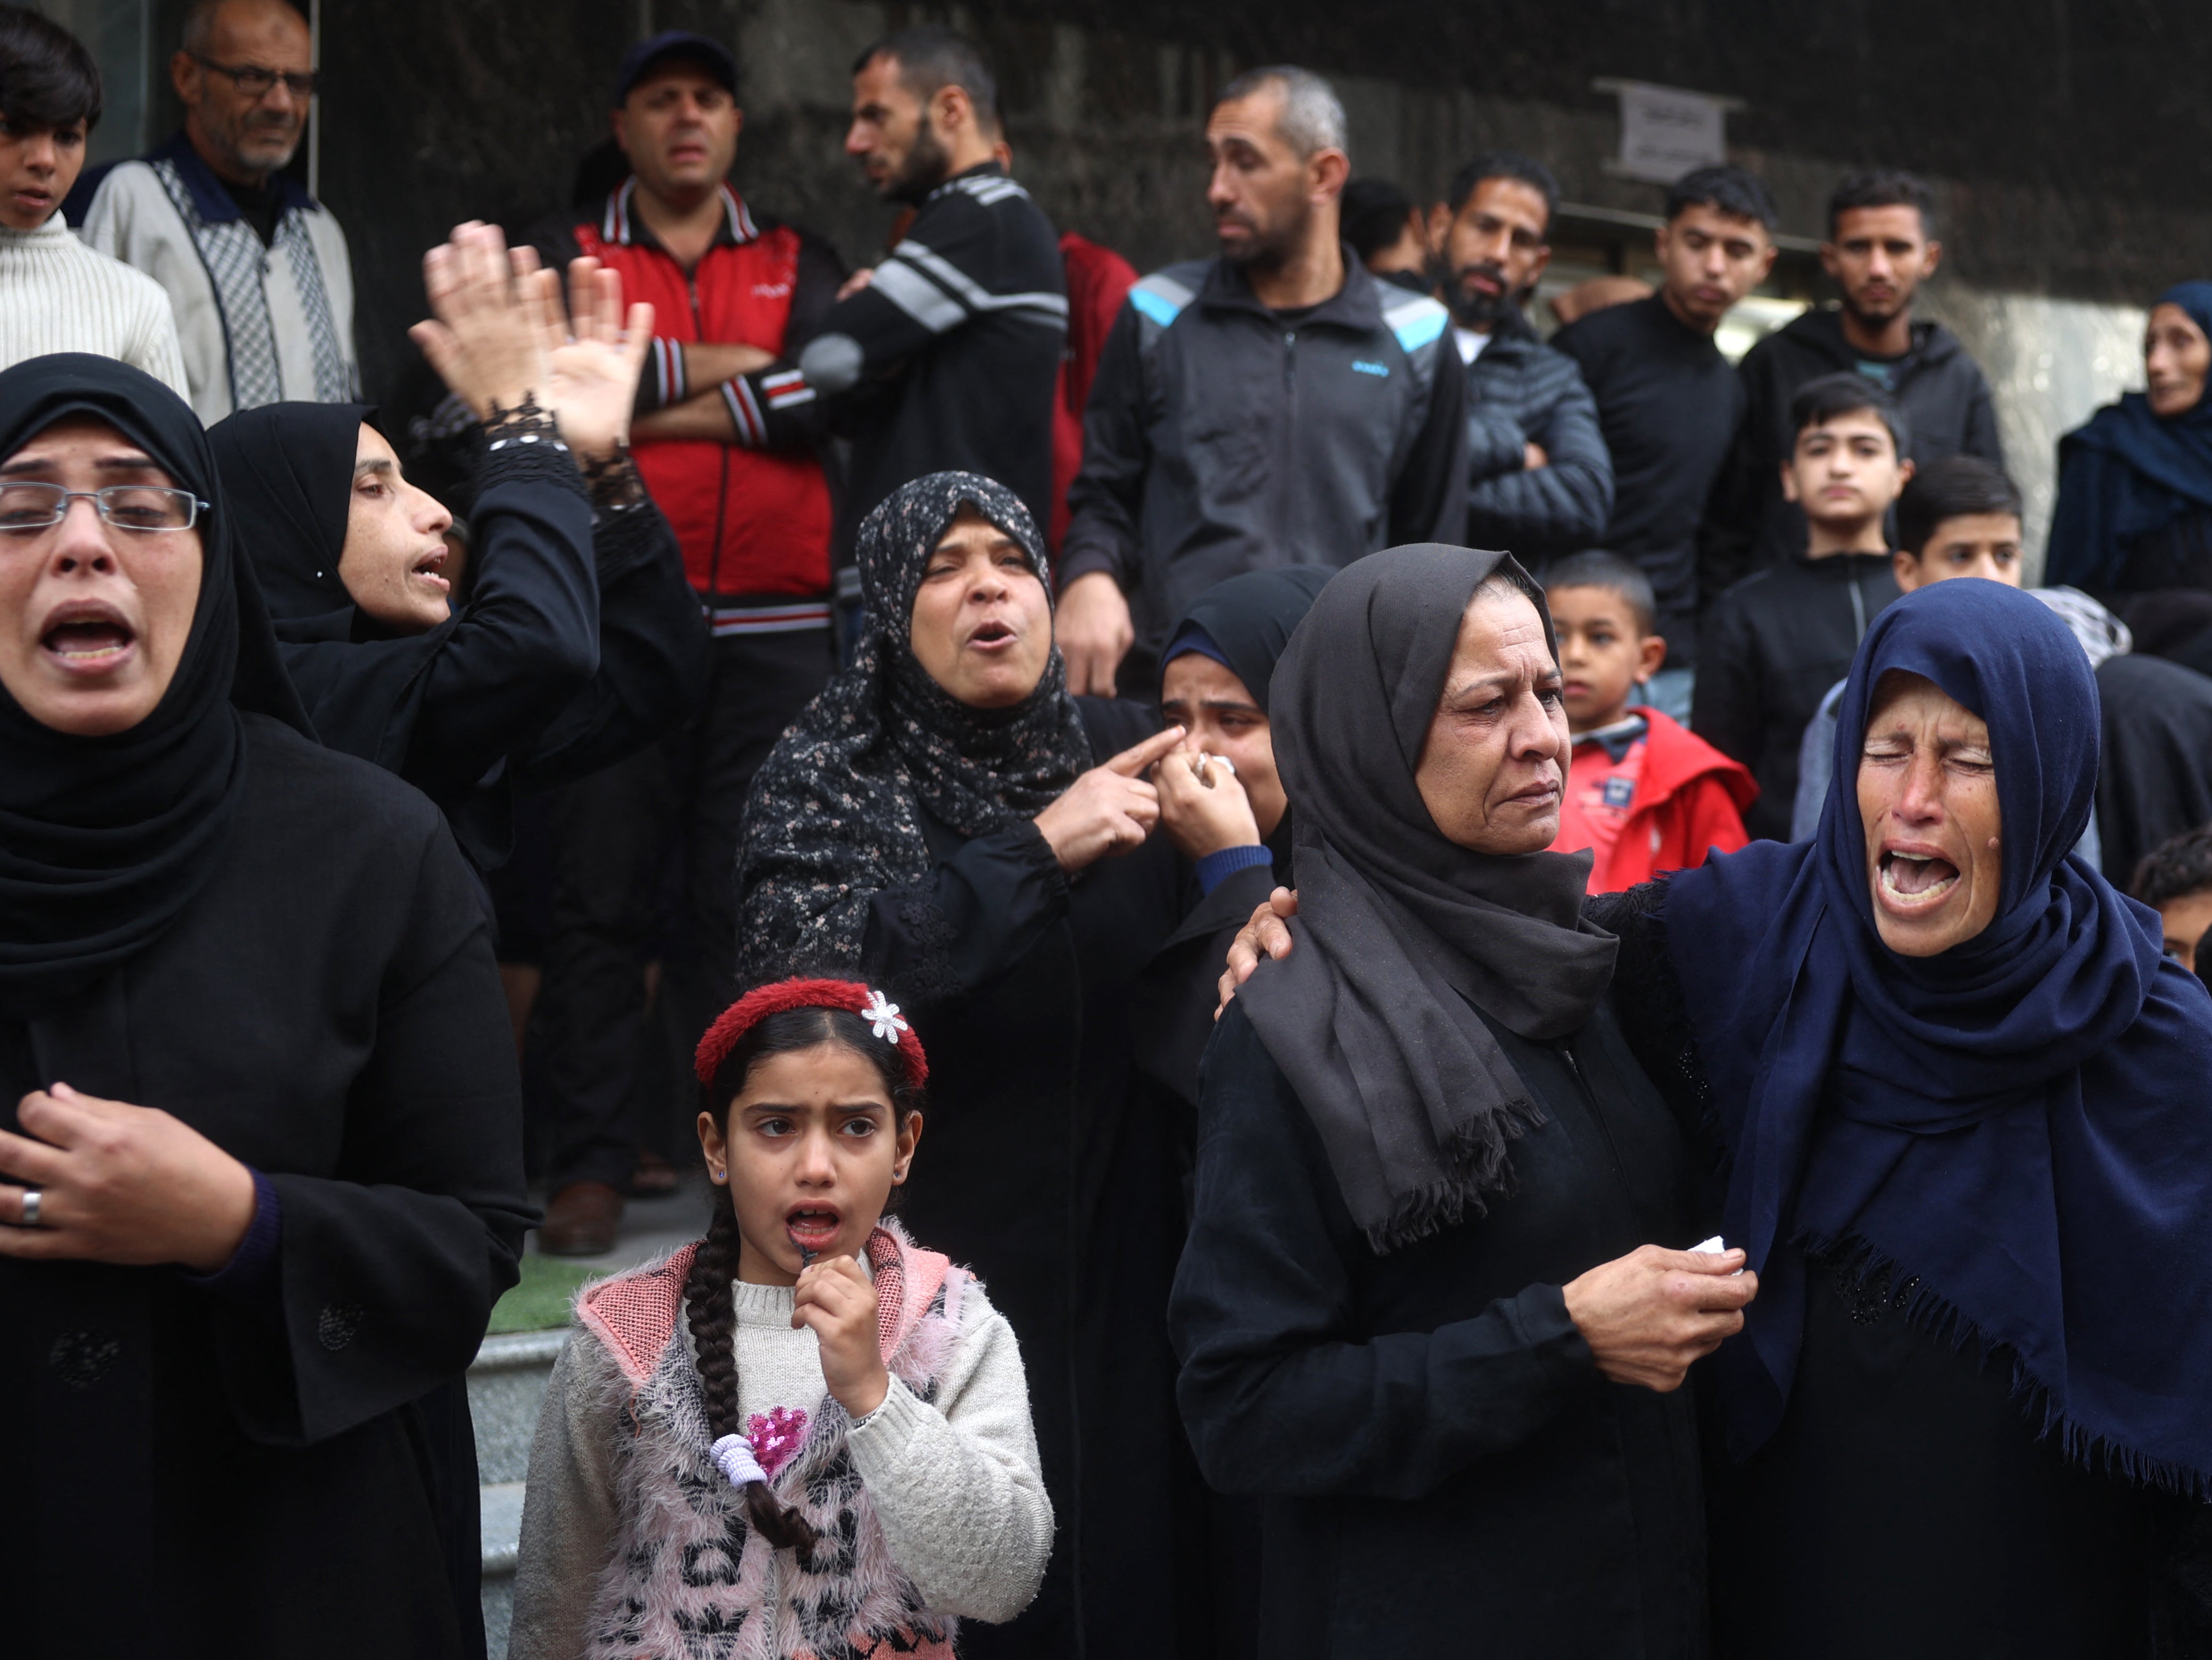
<point x="1110" y="809"/>
<point x="835" y="1297"/>
<point x="1267" y="934"/>
<point x="1647" y="1316"/>
<point x="1203" y="807"/>
<point x="492" y="315"/>
<point x="118" y="1183"/>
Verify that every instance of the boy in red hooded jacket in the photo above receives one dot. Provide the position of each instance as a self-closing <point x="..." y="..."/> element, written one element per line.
<point x="1644" y="794"/>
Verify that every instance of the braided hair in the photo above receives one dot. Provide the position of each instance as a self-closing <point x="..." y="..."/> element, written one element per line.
<point x="709" y="1301"/>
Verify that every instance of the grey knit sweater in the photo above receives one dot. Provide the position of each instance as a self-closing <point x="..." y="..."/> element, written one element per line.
<point x="956" y="1485"/>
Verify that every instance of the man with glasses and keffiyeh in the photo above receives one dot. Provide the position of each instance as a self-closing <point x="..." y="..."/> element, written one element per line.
<point x="256" y="269"/>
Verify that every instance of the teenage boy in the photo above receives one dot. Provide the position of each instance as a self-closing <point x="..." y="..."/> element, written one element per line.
<point x="56" y="293"/>
<point x="1668" y="402"/>
<point x="2175" y="880"/>
<point x="1882" y="245"/>
<point x="1642" y="794"/>
<point x="1959" y="518"/>
<point x="1780" y="638"/>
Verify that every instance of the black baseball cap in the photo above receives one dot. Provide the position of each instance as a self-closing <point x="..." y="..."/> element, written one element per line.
<point x="710" y="54"/>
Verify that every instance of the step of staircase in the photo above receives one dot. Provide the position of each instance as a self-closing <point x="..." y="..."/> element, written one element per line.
<point x="506" y="1383"/>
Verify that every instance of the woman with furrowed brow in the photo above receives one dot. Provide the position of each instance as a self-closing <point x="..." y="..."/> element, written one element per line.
<point x="1955" y="1091"/>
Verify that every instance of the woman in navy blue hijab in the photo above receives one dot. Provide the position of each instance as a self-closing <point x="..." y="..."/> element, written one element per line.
<point x="2134" y="513"/>
<point x="1968" y="1146"/>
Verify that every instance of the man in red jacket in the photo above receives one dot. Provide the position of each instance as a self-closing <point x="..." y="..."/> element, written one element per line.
<point x="1642" y="793"/>
<point x="728" y="448"/>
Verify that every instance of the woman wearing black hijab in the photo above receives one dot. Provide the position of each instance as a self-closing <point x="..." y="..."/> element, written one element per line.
<point x="942" y="821"/>
<point x="1423" y="1314"/>
<point x="581" y="638"/>
<point x="260" y="1162"/>
<point x="1234" y="825"/>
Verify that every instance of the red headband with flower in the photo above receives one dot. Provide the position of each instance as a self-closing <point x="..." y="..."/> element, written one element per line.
<point x="872" y="1005"/>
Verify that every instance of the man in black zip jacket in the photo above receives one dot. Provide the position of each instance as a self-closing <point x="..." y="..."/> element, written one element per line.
<point x="1277" y="405"/>
<point x="1781" y="637"/>
<point x="1540" y="480"/>
<point x="1879" y="251"/>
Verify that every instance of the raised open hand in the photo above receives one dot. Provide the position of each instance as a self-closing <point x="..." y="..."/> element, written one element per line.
<point x="596" y="361"/>
<point x="490" y="319"/>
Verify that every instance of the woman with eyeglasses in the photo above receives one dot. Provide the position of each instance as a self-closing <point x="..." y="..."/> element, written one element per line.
<point x="260" y="1149"/>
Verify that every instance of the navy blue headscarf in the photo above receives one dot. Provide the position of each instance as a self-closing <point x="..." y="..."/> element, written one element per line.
<point x="2022" y="1121"/>
<point x="2128" y="471"/>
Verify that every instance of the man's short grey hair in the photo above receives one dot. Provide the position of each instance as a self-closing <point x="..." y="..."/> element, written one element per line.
<point x="198" y="32"/>
<point x="1312" y="118"/>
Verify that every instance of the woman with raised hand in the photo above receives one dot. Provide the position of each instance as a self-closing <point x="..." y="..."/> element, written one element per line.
<point x="946" y="821"/>
<point x="581" y="638"/>
<point x="260" y="1139"/>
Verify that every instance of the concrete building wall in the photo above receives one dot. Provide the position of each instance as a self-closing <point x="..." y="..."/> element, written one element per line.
<point x="2067" y="141"/>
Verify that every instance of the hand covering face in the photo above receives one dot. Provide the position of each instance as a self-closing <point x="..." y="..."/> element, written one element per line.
<point x="105" y="841"/>
<point x="1401" y="934"/>
<point x="2019" y="1121"/>
<point x="831" y="818"/>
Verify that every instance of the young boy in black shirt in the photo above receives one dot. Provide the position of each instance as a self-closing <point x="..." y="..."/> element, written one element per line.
<point x="1781" y="637"/>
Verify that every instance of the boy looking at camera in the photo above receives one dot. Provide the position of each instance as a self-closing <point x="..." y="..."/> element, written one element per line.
<point x="1642" y="794"/>
<point x="1779" y="639"/>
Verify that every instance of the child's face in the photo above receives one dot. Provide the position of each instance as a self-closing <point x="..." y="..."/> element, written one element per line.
<point x="2186" y="921"/>
<point x="1985" y="545"/>
<point x="813" y="1152"/>
<point x="1602" y="653"/>
<point x="1845" y="470"/>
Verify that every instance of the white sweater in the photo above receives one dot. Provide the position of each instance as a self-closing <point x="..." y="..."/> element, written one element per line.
<point x="957" y="1486"/>
<point x="57" y="294"/>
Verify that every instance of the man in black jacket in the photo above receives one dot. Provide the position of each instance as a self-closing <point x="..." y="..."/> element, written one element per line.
<point x="1879" y="251"/>
<point x="1670" y="404"/>
<point x="1274" y="406"/>
<point x="946" y="358"/>
<point x="1540" y="481"/>
<point x="1781" y="637"/>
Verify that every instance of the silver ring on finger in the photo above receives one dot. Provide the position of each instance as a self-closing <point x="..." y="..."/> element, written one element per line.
<point x="33" y="1199"/>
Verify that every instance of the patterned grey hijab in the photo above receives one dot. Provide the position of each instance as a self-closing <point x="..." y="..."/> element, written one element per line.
<point x="831" y="818"/>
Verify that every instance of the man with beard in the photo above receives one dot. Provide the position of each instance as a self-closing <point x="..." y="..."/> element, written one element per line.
<point x="1274" y="406"/>
<point x="943" y="358"/>
<point x="1879" y="249"/>
<point x="1670" y="402"/>
<point x="1539" y="478"/>
<point x="256" y="268"/>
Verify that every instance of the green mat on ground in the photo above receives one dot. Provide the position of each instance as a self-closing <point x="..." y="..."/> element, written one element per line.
<point x="539" y="1300"/>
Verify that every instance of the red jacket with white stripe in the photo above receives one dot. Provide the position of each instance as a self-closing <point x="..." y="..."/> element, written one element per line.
<point x="752" y="516"/>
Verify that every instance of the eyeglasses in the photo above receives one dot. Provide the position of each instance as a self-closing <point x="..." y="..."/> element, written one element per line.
<point x="27" y="508"/>
<point x="255" y="82"/>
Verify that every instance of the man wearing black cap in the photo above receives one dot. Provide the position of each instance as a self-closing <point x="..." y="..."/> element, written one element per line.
<point x="730" y="457"/>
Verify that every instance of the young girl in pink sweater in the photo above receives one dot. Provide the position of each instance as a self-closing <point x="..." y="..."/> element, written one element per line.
<point x="803" y="1435"/>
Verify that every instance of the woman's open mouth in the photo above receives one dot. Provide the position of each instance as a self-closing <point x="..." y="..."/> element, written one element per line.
<point x="992" y="636"/>
<point x="1916" y="881"/>
<point x="88" y="639"/>
<point x="813" y="1228"/>
<point x="429" y="569"/>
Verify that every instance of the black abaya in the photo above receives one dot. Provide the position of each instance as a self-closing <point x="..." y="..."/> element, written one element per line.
<point x="1048" y="1169"/>
<point x="2155" y="778"/>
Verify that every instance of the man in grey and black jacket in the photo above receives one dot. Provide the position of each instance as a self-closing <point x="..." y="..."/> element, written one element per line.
<point x="1274" y="406"/>
<point x="1540" y="481"/>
